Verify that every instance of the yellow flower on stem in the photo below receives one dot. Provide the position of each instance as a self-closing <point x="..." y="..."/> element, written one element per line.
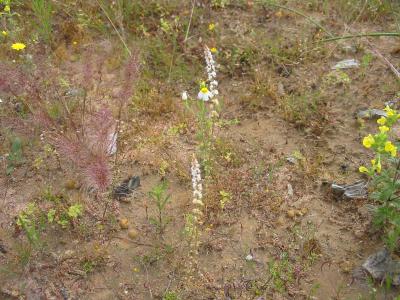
<point x="392" y="149"/>
<point x="363" y="169"/>
<point x="213" y="50"/>
<point x="381" y="121"/>
<point x="18" y="46"/>
<point x="211" y="26"/>
<point x="376" y="165"/>
<point x="368" y="141"/>
<point x="383" y="129"/>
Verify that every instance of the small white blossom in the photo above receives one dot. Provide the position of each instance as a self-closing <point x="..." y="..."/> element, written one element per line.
<point x="249" y="257"/>
<point x="184" y="96"/>
<point x="204" y="94"/>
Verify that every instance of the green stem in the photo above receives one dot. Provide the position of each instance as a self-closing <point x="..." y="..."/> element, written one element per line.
<point x="311" y="20"/>
<point x="372" y="34"/>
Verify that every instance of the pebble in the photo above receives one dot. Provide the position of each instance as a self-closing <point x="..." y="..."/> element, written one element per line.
<point x="124" y="223"/>
<point x="346" y="266"/>
<point x="71" y="184"/>
<point x="133" y="234"/>
<point x="291" y="213"/>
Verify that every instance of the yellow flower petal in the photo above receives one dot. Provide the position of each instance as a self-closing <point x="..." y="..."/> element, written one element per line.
<point x="381" y="121"/>
<point x="392" y="149"/>
<point x="213" y="50"/>
<point x="211" y="26"/>
<point x="368" y="141"/>
<point x="204" y="90"/>
<point x="378" y="167"/>
<point x="7" y="8"/>
<point x="363" y="169"/>
<point x="18" y="46"/>
<point x="383" y="129"/>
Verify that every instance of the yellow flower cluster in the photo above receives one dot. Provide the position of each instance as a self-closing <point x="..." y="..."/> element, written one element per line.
<point x="379" y="142"/>
<point x="375" y="166"/>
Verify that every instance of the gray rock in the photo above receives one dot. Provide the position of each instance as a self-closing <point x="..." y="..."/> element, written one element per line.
<point x="356" y="190"/>
<point x="381" y="266"/>
<point x="371" y="113"/>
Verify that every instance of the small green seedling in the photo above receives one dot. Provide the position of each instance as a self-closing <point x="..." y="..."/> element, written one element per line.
<point x="15" y="156"/>
<point x="158" y="195"/>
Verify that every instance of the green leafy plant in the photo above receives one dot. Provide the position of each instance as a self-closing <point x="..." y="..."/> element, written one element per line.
<point x="42" y="10"/>
<point x="27" y="220"/>
<point x="15" y="155"/>
<point x="384" y="173"/>
<point x="170" y="295"/>
<point x="225" y="198"/>
<point x="160" y="198"/>
<point x="63" y="216"/>
<point x="281" y="272"/>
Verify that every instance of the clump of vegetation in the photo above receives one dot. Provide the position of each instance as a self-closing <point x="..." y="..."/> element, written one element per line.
<point x="43" y="13"/>
<point x="384" y="174"/>
<point x="160" y="199"/>
<point x="14" y="158"/>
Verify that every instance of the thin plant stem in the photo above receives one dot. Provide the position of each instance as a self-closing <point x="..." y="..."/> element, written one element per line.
<point x="115" y="28"/>
<point x="351" y="36"/>
<point x="172" y="60"/>
<point x="84" y="113"/>
<point x="308" y="18"/>
<point x="190" y="22"/>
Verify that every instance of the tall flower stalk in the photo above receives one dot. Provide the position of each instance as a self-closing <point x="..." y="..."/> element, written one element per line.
<point x="206" y="113"/>
<point x="194" y="219"/>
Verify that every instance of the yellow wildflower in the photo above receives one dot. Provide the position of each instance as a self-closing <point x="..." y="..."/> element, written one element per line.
<point x="381" y="121"/>
<point x="392" y="149"/>
<point x="383" y="129"/>
<point x="18" y="46"/>
<point x="4" y="33"/>
<point x="213" y="50"/>
<point x="390" y="112"/>
<point x="7" y="8"/>
<point x="376" y="166"/>
<point x="211" y="26"/>
<point x="368" y="141"/>
<point x="204" y="90"/>
<point x="363" y="169"/>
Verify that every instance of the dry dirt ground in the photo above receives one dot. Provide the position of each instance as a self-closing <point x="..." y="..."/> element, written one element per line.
<point x="280" y="100"/>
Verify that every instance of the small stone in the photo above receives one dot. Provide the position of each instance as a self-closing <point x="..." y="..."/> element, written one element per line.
<point x="290" y="190"/>
<point x="133" y="234"/>
<point x="291" y="213"/>
<point x="124" y="223"/>
<point x="346" y="266"/>
<point x="71" y="184"/>
<point x="280" y="221"/>
<point x="299" y="213"/>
